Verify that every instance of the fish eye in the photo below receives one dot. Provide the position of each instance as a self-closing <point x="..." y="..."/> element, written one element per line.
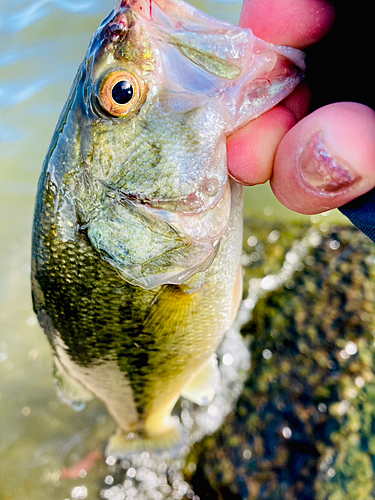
<point x="120" y="92"/>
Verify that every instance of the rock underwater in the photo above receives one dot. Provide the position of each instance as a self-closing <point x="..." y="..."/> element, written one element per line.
<point x="304" y="425"/>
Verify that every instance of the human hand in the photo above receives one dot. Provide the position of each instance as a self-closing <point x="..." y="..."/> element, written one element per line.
<point x="318" y="161"/>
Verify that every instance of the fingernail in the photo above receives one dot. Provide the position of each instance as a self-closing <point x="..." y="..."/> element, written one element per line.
<point x="322" y="171"/>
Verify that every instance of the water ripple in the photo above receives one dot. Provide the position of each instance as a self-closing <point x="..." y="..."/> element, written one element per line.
<point x="16" y="92"/>
<point x="17" y="21"/>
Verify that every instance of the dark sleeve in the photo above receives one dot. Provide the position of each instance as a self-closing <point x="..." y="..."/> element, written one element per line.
<point x="361" y="212"/>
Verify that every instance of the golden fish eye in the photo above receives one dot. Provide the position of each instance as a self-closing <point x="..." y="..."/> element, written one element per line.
<point x="120" y="92"/>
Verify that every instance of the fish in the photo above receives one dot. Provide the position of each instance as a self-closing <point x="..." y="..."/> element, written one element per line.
<point x="137" y="230"/>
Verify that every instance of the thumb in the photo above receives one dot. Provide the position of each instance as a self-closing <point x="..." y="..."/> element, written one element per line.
<point x="327" y="159"/>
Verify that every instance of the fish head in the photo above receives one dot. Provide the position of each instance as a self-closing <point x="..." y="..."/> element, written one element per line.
<point x="140" y="148"/>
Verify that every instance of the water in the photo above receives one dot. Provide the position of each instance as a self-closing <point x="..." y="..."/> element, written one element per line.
<point x="42" y="44"/>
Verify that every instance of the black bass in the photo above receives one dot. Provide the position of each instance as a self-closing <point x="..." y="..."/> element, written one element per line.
<point x="137" y="233"/>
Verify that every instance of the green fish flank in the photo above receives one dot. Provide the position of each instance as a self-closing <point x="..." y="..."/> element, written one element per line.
<point x="137" y="229"/>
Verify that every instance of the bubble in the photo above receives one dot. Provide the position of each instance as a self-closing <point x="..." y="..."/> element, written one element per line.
<point x="255" y="256"/>
<point x="110" y="460"/>
<point x="352" y="393"/>
<point x="351" y="348"/>
<point x="315" y="218"/>
<point x="267" y="354"/>
<point x="245" y="260"/>
<point x="324" y="227"/>
<point x="252" y="241"/>
<point x="292" y="257"/>
<point x="268" y="210"/>
<point x="360" y="382"/>
<point x="227" y="359"/>
<point x="334" y="244"/>
<point x="290" y="284"/>
<point x="33" y="354"/>
<point x="310" y="260"/>
<point x="79" y="492"/>
<point x="322" y="407"/>
<point x="26" y="411"/>
<point x="269" y="282"/>
<point x="331" y="472"/>
<point x="3" y="357"/>
<point x="131" y="472"/>
<point x="32" y="321"/>
<point x="274" y="236"/>
<point x="287" y="432"/>
<point x="343" y="407"/>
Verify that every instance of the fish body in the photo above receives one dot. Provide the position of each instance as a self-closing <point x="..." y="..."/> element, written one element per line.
<point x="137" y="229"/>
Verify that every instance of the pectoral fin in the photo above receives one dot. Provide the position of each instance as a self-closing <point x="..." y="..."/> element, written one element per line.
<point x="70" y="391"/>
<point x="201" y="388"/>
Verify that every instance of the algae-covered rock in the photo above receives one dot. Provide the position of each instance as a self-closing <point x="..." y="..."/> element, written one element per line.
<point x="304" y="426"/>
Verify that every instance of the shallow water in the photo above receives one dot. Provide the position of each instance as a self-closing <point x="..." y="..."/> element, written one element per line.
<point x="42" y="44"/>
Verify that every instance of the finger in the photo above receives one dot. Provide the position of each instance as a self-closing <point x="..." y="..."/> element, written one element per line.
<point x="298" y="23"/>
<point x="298" y="102"/>
<point x="327" y="159"/>
<point x="251" y="150"/>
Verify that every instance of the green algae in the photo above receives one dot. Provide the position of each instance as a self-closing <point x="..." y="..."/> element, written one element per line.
<point x="304" y="425"/>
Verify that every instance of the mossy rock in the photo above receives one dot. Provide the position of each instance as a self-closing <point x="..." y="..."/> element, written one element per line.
<point x="304" y="426"/>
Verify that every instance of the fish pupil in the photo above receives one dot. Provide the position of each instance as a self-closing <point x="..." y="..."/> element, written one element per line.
<point x="122" y="92"/>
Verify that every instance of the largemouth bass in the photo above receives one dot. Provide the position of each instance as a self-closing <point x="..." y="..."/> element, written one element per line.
<point x="137" y="232"/>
